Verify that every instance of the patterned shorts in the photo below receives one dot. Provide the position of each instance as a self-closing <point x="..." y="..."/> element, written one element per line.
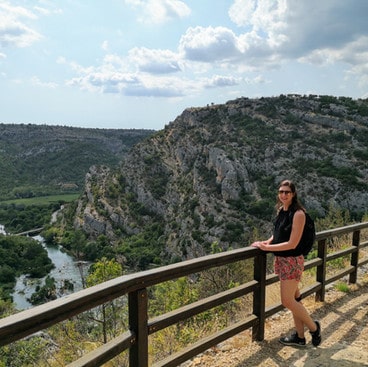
<point x="288" y="268"/>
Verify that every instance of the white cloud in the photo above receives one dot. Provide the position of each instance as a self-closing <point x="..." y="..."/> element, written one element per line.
<point x="266" y="17"/>
<point x="13" y="31"/>
<point x="49" y="10"/>
<point x="353" y="53"/>
<point x="241" y="12"/>
<point x="297" y="28"/>
<point x="129" y="84"/>
<point x="160" y="11"/>
<point x="113" y="76"/>
<point x="272" y="32"/>
<point x="15" y="12"/>
<point x="209" y="44"/>
<point x="221" y="81"/>
<point x="105" y="45"/>
<point x="61" y="60"/>
<point x="36" y="81"/>
<point x="257" y="80"/>
<point x="154" y="61"/>
<point x="153" y="87"/>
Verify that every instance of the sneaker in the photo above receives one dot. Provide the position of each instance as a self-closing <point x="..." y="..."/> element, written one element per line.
<point x="316" y="335"/>
<point x="293" y="340"/>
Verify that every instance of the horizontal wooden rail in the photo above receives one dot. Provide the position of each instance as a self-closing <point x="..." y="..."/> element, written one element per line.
<point x="195" y="308"/>
<point x="135" y="286"/>
<point x="205" y="343"/>
<point x="103" y="354"/>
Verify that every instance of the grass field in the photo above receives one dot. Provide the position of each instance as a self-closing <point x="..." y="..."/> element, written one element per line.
<point x="42" y="200"/>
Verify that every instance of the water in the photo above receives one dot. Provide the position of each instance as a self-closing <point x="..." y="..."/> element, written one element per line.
<point x="66" y="268"/>
<point x="2" y="229"/>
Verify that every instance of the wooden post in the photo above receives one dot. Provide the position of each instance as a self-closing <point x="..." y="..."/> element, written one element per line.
<point x="354" y="261"/>
<point x="321" y="270"/>
<point x="138" y="304"/>
<point x="259" y="295"/>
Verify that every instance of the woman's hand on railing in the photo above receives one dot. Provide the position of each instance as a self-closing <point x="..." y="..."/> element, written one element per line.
<point x="262" y="245"/>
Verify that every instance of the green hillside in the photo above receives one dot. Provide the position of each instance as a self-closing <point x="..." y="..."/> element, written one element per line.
<point x="38" y="160"/>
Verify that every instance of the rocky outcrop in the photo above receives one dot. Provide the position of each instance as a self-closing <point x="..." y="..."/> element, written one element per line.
<point x="211" y="175"/>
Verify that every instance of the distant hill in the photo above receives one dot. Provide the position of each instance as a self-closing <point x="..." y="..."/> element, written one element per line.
<point x="41" y="160"/>
<point x="212" y="174"/>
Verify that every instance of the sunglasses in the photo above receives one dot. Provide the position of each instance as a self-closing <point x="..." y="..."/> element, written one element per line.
<point x="284" y="192"/>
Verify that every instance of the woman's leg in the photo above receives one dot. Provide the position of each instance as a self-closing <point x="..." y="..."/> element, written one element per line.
<point x="301" y="317"/>
<point x="290" y="270"/>
<point x="298" y="296"/>
<point x="299" y="326"/>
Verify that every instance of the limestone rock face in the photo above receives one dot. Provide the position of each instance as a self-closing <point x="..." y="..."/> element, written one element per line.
<point x="211" y="175"/>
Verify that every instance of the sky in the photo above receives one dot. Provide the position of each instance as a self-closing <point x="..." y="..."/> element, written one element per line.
<point x="138" y="64"/>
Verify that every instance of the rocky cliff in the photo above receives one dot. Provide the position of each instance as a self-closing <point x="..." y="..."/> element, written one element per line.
<point x="212" y="174"/>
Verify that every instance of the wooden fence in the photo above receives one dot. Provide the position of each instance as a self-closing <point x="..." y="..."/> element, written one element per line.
<point x="135" y="286"/>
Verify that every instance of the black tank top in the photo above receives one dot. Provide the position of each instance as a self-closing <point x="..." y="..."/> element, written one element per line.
<point x="282" y="231"/>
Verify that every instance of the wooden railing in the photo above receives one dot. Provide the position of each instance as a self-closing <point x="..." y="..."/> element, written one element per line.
<point x="135" y="286"/>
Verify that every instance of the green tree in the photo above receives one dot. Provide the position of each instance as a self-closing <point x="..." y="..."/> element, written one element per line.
<point x="74" y="241"/>
<point x="21" y="255"/>
<point x="335" y="217"/>
<point x="107" y="314"/>
<point x="45" y="293"/>
<point x="6" y="306"/>
<point x="25" y="353"/>
<point x="166" y="297"/>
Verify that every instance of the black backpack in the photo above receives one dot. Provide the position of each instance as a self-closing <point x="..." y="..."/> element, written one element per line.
<point x="308" y="237"/>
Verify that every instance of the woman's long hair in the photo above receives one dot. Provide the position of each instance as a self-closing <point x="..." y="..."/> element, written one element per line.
<point x="295" y="204"/>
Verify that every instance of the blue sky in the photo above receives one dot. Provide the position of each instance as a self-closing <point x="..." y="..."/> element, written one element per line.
<point x="139" y="63"/>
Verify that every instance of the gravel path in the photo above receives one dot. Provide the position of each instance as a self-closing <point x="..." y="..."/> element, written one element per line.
<point x="344" y="320"/>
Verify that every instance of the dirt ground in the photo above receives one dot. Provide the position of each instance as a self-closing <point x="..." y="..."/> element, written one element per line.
<point x="344" y="321"/>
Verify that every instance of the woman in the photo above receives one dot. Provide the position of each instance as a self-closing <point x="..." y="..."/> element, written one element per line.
<point x="289" y="264"/>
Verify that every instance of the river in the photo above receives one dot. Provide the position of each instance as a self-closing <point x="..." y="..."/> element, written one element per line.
<point x="66" y="268"/>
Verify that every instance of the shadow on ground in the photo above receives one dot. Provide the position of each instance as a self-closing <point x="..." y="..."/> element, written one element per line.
<point x="345" y="334"/>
